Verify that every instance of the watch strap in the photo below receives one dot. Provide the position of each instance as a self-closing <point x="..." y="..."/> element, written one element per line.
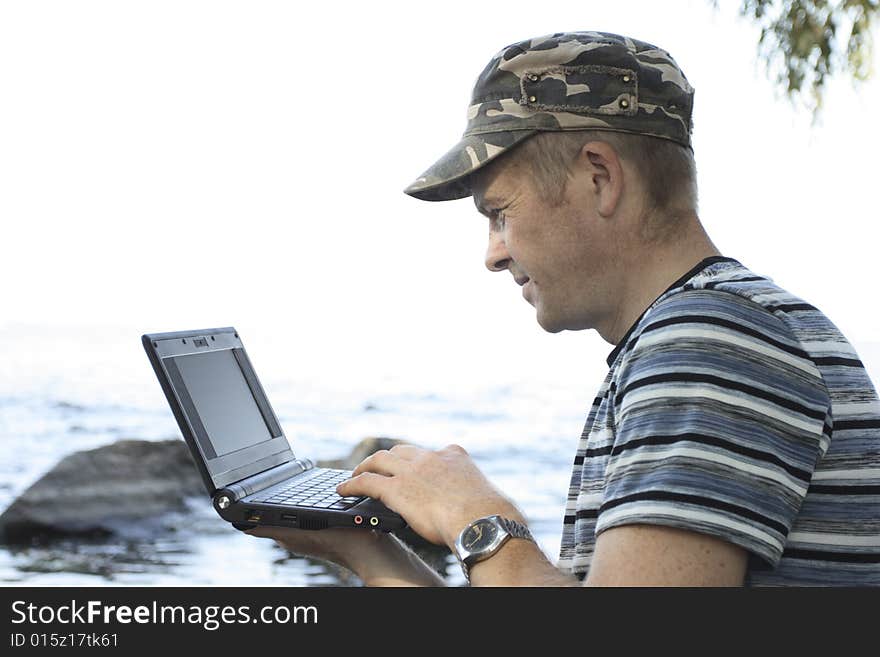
<point x="516" y="529"/>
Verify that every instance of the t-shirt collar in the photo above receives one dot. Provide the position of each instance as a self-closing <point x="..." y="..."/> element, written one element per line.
<point x="705" y="262"/>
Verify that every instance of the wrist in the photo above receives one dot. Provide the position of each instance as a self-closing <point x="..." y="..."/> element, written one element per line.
<point x="502" y="508"/>
<point x="484" y="538"/>
<point x="512" y="565"/>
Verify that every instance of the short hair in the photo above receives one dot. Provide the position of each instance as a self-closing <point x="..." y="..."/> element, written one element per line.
<point x="667" y="170"/>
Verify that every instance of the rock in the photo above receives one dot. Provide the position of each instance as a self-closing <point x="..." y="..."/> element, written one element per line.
<point x="138" y="489"/>
<point x="92" y="492"/>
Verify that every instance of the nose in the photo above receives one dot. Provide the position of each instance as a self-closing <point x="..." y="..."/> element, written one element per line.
<point x="497" y="257"/>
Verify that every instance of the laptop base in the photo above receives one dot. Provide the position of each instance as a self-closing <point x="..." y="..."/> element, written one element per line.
<point x="369" y="514"/>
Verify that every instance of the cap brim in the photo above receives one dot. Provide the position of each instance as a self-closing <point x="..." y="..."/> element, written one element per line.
<point x="447" y="179"/>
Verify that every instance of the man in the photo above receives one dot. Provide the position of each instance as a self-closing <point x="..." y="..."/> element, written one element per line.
<point x="735" y="438"/>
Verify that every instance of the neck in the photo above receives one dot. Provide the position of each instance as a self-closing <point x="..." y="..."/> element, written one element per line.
<point x="649" y="271"/>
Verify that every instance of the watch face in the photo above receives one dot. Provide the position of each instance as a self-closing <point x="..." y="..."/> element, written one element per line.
<point x="479" y="536"/>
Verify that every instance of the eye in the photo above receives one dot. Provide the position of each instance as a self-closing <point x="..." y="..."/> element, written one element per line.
<point x="497" y="219"/>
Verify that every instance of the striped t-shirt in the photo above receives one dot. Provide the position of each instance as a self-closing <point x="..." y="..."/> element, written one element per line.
<point x="734" y="409"/>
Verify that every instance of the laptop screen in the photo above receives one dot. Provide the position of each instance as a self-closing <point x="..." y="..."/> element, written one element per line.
<point x="223" y="400"/>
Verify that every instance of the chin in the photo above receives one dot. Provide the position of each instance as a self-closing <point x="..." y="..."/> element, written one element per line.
<point x="556" y="323"/>
<point x="550" y="324"/>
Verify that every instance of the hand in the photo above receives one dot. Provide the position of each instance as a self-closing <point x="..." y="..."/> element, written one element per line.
<point x="437" y="492"/>
<point x="379" y="559"/>
<point x="338" y="545"/>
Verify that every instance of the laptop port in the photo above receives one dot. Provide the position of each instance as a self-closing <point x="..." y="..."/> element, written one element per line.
<point x="254" y="516"/>
<point x="358" y="520"/>
<point x="289" y="517"/>
<point x="374" y="521"/>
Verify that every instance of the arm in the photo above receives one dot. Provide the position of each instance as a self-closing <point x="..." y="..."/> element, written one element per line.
<point x="654" y="555"/>
<point x="440" y="492"/>
<point x="377" y="558"/>
<point x="634" y="555"/>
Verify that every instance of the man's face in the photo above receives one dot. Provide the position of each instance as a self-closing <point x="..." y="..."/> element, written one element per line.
<point x="562" y="256"/>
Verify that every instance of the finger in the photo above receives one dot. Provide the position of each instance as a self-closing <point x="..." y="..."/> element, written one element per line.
<point x="407" y="452"/>
<point x="455" y="449"/>
<point x="265" y="531"/>
<point x="382" y="462"/>
<point x="367" y="483"/>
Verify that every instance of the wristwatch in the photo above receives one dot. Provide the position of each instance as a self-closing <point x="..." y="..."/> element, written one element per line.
<point x="484" y="537"/>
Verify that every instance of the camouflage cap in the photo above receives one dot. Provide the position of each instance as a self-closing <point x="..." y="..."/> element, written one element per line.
<point x="563" y="81"/>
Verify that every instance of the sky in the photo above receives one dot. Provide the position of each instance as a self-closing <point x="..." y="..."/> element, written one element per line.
<point x="175" y="165"/>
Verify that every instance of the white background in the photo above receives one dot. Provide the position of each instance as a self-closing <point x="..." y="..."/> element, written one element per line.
<point x="173" y="165"/>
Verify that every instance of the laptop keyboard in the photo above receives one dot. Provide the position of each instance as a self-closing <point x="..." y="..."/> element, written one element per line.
<point x="317" y="490"/>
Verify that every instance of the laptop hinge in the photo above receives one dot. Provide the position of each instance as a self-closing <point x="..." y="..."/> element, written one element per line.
<point x="267" y="478"/>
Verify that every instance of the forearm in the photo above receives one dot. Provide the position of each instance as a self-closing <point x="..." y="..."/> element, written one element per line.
<point x="519" y="563"/>
<point x="387" y="561"/>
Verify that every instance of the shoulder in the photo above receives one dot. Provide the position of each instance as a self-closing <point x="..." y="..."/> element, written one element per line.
<point x="720" y="348"/>
<point x="721" y="323"/>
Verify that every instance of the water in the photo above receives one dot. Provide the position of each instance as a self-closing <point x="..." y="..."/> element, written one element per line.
<point x="64" y="390"/>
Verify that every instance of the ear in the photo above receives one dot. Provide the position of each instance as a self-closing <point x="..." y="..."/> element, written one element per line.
<point x="604" y="171"/>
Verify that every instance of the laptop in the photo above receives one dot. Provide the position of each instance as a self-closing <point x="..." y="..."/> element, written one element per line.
<point x="238" y="445"/>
